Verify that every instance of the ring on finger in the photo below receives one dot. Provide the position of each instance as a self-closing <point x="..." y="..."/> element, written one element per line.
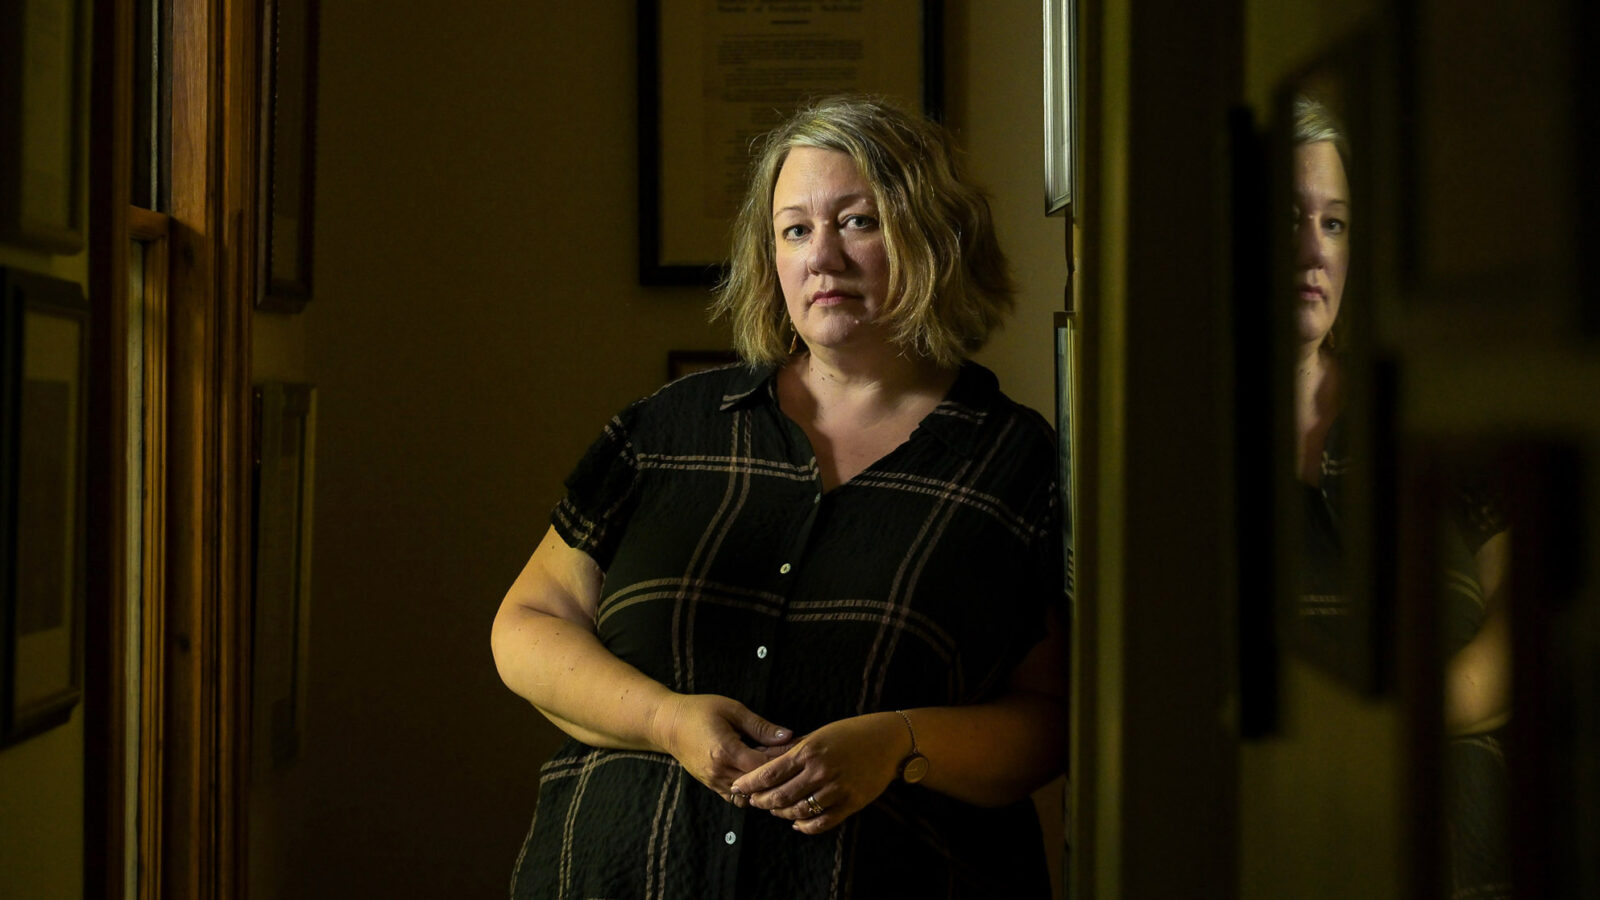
<point x="816" y="808"/>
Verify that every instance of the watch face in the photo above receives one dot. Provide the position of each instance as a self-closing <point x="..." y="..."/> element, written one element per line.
<point x="914" y="768"/>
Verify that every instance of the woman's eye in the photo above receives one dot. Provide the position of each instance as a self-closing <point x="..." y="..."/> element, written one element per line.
<point x="859" y="220"/>
<point x="1334" y="226"/>
<point x="793" y="232"/>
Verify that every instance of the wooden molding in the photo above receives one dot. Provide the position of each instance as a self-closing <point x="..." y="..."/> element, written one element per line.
<point x="189" y="790"/>
<point x="106" y="712"/>
<point x="204" y="657"/>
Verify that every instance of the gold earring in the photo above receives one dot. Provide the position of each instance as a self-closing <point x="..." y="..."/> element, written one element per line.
<point x="794" y="343"/>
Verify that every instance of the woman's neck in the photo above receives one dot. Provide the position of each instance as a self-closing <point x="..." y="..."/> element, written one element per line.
<point x="1316" y="378"/>
<point x="855" y="415"/>
<point x="1317" y="402"/>
<point x="881" y="381"/>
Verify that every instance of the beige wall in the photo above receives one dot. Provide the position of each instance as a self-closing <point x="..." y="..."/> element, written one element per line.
<point x="41" y="815"/>
<point x="477" y="319"/>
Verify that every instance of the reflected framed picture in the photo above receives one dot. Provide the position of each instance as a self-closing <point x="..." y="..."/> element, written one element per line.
<point x="714" y="76"/>
<point x="285" y="440"/>
<point x="42" y="102"/>
<point x="43" y="419"/>
<point x="1060" y="104"/>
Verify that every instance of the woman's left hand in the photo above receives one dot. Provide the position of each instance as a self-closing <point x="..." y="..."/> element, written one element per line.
<point x="839" y="768"/>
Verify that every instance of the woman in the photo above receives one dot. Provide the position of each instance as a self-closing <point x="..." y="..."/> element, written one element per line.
<point x="800" y="618"/>
<point x="1474" y="545"/>
<point x="1321" y="195"/>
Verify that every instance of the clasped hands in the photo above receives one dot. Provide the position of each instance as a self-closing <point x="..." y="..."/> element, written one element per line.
<point x="839" y="768"/>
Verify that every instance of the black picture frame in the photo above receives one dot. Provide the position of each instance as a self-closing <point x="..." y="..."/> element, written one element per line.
<point x="44" y="380"/>
<point x="286" y="154"/>
<point x="658" y="266"/>
<point x="42" y="109"/>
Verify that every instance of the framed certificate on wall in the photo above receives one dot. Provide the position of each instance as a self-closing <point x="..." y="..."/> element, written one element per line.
<point x="714" y="76"/>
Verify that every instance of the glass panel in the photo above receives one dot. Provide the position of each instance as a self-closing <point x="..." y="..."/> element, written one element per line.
<point x="1332" y="407"/>
<point x="151" y="106"/>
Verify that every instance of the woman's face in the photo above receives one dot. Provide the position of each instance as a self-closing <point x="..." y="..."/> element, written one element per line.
<point x="831" y="260"/>
<point x="1322" y="237"/>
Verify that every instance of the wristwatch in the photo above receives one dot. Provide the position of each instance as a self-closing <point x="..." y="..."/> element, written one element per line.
<point x="914" y="767"/>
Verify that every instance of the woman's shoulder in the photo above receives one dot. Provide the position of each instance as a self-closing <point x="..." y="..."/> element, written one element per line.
<point x="695" y="396"/>
<point x="978" y="396"/>
<point x="716" y="385"/>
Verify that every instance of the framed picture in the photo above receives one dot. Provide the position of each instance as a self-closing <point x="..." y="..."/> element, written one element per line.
<point x="42" y="115"/>
<point x="285" y="435"/>
<point x="1497" y="96"/>
<point x="1066" y="407"/>
<point x="1060" y="104"/>
<point x="733" y="72"/>
<point x="43" y="418"/>
<point x="287" y="154"/>
<point x="687" y="362"/>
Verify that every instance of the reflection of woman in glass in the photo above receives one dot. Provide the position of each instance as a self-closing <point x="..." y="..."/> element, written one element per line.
<point x="1476" y="551"/>
<point x="1476" y="542"/>
<point x="1322" y="260"/>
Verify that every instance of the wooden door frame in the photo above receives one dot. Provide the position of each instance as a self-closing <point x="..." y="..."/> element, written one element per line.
<point x="193" y="741"/>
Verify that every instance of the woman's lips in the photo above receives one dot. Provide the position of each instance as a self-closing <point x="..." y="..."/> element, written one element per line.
<point x="829" y="298"/>
<point x="1311" y="292"/>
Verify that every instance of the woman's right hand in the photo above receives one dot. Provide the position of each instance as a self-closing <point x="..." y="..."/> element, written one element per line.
<point x="707" y="734"/>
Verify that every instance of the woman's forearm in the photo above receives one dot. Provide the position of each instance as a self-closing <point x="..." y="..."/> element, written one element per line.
<point x="1477" y="678"/>
<point x="546" y="650"/>
<point x="989" y="754"/>
<point x="568" y="675"/>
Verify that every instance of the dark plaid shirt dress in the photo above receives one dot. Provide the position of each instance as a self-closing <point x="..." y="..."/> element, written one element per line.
<point x="922" y="581"/>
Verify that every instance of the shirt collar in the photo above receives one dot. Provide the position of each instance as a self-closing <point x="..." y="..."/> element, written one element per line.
<point x="957" y="420"/>
<point x="745" y="389"/>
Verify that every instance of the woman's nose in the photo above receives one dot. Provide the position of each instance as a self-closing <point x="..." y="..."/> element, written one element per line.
<point x="1308" y="245"/>
<point x="827" y="251"/>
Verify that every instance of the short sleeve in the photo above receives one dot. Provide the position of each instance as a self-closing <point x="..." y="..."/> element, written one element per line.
<point x="1052" y="556"/>
<point x="601" y="490"/>
<point x="1049" y="577"/>
<point x="1477" y="505"/>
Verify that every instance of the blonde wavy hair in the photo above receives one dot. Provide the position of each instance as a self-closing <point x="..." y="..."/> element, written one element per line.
<point x="1314" y="123"/>
<point x="949" y="286"/>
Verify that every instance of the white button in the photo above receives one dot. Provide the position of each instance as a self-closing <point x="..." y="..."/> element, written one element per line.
<point x="783" y="569"/>
<point x="817" y="499"/>
<point x="730" y="837"/>
<point x="761" y="652"/>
